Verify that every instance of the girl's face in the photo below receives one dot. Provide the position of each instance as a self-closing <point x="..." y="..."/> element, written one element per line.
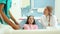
<point x="46" y="12"/>
<point x="31" y="20"/>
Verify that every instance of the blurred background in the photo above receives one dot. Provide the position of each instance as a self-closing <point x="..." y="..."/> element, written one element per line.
<point x="23" y="8"/>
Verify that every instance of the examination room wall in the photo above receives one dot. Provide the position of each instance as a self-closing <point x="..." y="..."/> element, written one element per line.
<point x="16" y="9"/>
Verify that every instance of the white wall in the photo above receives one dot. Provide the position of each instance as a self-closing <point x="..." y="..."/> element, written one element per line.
<point x="15" y="9"/>
<point x="16" y="4"/>
<point x="57" y="9"/>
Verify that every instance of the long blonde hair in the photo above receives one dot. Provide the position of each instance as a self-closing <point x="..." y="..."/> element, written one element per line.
<point x="49" y="11"/>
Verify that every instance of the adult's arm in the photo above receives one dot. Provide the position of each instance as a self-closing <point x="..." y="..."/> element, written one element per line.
<point x="14" y="26"/>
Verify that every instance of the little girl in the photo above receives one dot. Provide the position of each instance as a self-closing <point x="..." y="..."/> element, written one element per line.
<point x="30" y="24"/>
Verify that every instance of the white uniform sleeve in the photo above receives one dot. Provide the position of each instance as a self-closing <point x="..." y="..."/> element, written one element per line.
<point x="55" y="21"/>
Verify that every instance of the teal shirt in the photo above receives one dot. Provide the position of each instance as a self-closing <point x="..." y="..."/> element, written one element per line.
<point x="7" y="5"/>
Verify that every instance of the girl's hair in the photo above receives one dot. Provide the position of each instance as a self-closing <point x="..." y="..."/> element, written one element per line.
<point x="49" y="11"/>
<point x="28" y="19"/>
